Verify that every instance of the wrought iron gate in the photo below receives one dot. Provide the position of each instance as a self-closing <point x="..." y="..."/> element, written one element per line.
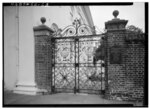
<point x="73" y="69"/>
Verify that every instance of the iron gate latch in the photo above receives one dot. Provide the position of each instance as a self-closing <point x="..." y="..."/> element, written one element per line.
<point x="76" y="39"/>
<point x="76" y="64"/>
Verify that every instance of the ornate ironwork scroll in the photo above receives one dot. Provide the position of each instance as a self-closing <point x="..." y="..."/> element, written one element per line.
<point x="77" y="29"/>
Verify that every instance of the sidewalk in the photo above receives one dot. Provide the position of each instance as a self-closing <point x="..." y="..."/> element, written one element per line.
<point x="60" y="98"/>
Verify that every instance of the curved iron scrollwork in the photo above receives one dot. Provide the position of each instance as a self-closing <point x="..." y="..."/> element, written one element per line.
<point x="77" y="29"/>
<point x="69" y="31"/>
<point x="85" y="30"/>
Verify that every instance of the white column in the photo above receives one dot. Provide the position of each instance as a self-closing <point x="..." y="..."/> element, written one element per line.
<point x="26" y="76"/>
<point x="10" y="47"/>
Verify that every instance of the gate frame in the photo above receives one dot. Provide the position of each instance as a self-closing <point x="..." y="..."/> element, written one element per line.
<point x="76" y="38"/>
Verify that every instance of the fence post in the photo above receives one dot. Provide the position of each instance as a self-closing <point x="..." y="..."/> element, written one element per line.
<point x="115" y="61"/>
<point x="43" y="56"/>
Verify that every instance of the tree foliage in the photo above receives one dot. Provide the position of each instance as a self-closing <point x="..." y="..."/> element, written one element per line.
<point x="132" y="28"/>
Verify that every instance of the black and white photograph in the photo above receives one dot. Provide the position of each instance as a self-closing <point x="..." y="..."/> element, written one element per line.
<point x="75" y="54"/>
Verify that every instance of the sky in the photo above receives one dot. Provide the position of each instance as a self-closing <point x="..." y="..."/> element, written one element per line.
<point x="135" y="14"/>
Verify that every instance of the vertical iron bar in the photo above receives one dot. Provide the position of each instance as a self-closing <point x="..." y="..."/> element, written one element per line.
<point x="51" y="53"/>
<point x="75" y="66"/>
<point x="106" y="59"/>
<point x="54" y="44"/>
<point x="78" y="64"/>
<point x="75" y="56"/>
<point x="50" y="61"/>
<point x="101" y="75"/>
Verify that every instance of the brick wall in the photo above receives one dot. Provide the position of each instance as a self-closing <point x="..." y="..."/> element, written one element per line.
<point x="125" y="78"/>
<point x="135" y="61"/>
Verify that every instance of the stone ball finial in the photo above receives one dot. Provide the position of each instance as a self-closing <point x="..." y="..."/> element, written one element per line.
<point x="43" y="20"/>
<point x="115" y="13"/>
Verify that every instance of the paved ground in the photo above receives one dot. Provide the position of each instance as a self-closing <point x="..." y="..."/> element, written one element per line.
<point x="60" y="98"/>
